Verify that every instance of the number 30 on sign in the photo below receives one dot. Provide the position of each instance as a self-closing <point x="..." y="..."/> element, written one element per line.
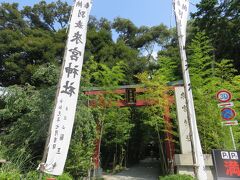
<point x="224" y="96"/>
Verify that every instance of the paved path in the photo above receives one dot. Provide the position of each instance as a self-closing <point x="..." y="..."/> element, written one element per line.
<point x="147" y="169"/>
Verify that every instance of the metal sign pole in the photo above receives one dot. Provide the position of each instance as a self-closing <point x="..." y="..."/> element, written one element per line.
<point x="233" y="141"/>
<point x="227" y="113"/>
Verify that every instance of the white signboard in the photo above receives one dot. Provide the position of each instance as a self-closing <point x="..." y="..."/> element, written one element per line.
<point x="66" y="101"/>
<point x="225" y="104"/>
<point x="230" y="123"/>
<point x="229" y="155"/>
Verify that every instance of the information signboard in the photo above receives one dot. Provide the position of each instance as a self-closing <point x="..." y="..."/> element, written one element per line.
<point x="225" y="104"/>
<point x="227" y="164"/>
<point x="230" y="123"/>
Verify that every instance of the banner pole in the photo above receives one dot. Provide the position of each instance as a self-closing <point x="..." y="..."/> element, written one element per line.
<point x="45" y="152"/>
<point x="181" y="14"/>
<point x="41" y="167"/>
<point x="62" y="118"/>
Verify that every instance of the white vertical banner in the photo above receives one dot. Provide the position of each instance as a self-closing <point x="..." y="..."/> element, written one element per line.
<point x="66" y="99"/>
<point x="181" y="8"/>
<point x="181" y="13"/>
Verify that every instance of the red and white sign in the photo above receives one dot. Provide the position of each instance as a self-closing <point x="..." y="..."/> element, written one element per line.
<point x="225" y="104"/>
<point x="224" y="96"/>
<point x="230" y="123"/>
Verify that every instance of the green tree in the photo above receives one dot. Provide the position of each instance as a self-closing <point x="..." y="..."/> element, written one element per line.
<point x="208" y="78"/>
<point x="79" y="161"/>
<point x="24" y="120"/>
<point x="11" y="17"/>
<point x="156" y="93"/>
<point x="112" y="123"/>
<point x="220" y="19"/>
<point x="25" y="54"/>
<point x="116" y="133"/>
<point x="225" y="70"/>
<point x="169" y="58"/>
<point x="201" y="60"/>
<point x="30" y="47"/>
<point x="47" y="16"/>
<point x="126" y="29"/>
<point x="101" y="45"/>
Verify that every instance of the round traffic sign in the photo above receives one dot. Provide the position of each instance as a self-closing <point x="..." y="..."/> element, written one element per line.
<point x="228" y="113"/>
<point x="224" y="96"/>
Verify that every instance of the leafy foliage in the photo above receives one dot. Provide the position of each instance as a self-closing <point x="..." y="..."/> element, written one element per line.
<point x="177" y="177"/>
<point x="156" y="93"/>
<point x="46" y="16"/>
<point x="25" y="109"/>
<point x="113" y="124"/>
<point x="9" y="175"/>
<point x="208" y="77"/>
<point x="82" y="143"/>
<point x="12" y="17"/>
<point x="25" y="54"/>
<point x="220" y="20"/>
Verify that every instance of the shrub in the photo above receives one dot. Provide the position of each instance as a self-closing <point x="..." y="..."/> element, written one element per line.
<point x="32" y="175"/>
<point x="11" y="175"/>
<point x="64" y="177"/>
<point x="177" y="177"/>
<point x="35" y="175"/>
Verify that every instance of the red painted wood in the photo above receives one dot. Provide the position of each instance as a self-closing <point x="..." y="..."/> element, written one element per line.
<point x="122" y="103"/>
<point x="117" y="91"/>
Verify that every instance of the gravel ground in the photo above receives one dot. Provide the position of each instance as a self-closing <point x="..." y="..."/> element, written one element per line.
<point x="147" y="169"/>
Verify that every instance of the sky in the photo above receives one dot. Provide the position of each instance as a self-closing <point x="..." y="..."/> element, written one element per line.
<point x="140" y="12"/>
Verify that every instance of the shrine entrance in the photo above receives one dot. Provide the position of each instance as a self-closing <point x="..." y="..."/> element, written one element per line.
<point x="67" y="95"/>
<point x="145" y="142"/>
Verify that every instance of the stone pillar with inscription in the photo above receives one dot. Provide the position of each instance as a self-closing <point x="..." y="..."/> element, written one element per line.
<point x="184" y="161"/>
<point x="183" y="125"/>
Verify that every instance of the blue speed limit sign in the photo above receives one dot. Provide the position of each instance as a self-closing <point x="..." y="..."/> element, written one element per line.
<point x="224" y="96"/>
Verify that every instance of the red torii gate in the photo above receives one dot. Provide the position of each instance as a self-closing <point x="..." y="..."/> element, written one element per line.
<point x="130" y="92"/>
